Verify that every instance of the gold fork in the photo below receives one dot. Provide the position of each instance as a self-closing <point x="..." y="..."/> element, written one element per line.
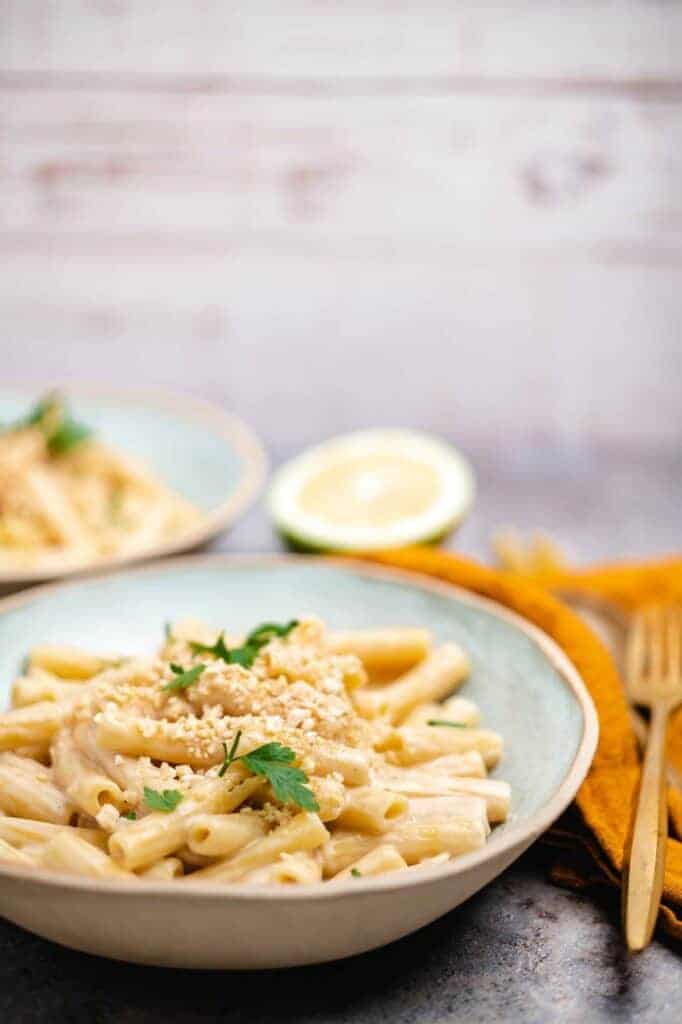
<point x="653" y="670"/>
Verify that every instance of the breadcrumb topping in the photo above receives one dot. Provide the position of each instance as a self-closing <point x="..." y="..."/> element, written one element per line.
<point x="295" y="692"/>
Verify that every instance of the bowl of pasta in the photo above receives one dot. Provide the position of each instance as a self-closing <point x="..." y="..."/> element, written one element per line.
<point x="268" y="761"/>
<point x="99" y="480"/>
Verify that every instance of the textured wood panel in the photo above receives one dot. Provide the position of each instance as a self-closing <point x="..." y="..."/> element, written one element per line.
<point x="500" y="350"/>
<point x="460" y="172"/>
<point x="635" y="40"/>
<point x="465" y="217"/>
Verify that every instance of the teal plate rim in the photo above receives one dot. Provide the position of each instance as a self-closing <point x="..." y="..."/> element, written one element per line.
<point x="229" y="428"/>
<point x="515" y="838"/>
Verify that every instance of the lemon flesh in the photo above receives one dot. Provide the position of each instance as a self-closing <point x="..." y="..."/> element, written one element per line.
<point x="371" y="489"/>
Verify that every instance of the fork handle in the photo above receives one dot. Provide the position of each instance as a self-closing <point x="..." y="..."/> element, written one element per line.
<point x="644" y="861"/>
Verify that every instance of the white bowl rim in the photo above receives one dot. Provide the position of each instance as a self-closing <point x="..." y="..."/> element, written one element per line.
<point x="520" y="835"/>
<point x="226" y="425"/>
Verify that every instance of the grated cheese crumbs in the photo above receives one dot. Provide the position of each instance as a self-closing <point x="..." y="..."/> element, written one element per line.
<point x="295" y="693"/>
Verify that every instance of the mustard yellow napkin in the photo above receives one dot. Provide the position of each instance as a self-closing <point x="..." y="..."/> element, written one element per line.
<point x="605" y="798"/>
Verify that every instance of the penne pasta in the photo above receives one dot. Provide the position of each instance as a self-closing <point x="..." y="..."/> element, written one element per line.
<point x="35" y="724"/>
<point x="219" y="835"/>
<point x="378" y="861"/>
<point x="27" y="791"/>
<point x="254" y="758"/>
<point x="71" y="854"/>
<point x="141" y="738"/>
<point x="407" y="746"/>
<point x="140" y="843"/>
<point x="290" y="869"/>
<point x="69" y="501"/>
<point x="436" y="677"/>
<point x="330" y="794"/>
<point x="304" y="832"/>
<point x="27" y="832"/>
<point x="165" y="870"/>
<point x="372" y="810"/>
<point x="40" y="686"/>
<point x="66" y="662"/>
<point x="87" y="787"/>
<point x="456" y="709"/>
<point x="383" y="652"/>
<point x="415" y="840"/>
<point x="11" y="855"/>
<point x="432" y="777"/>
<point x="495" y="792"/>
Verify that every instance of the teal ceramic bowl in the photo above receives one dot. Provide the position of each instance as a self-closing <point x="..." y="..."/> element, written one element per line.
<point x="208" y="456"/>
<point x="524" y="684"/>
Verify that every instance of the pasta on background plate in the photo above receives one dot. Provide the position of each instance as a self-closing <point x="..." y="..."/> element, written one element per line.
<point x="289" y="756"/>
<point x="67" y="499"/>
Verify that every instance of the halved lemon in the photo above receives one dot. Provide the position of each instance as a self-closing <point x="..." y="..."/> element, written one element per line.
<point x="371" y="489"/>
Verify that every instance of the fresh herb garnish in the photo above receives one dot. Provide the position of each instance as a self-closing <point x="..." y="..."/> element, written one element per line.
<point x="273" y="762"/>
<point x="446" y="721"/>
<point x="229" y="757"/>
<point x="168" y="631"/>
<point x="266" y="632"/>
<point x="355" y="873"/>
<point x="218" y="649"/>
<point x="183" y="677"/>
<point x="62" y="433"/>
<point x="130" y="815"/>
<point x="166" y="801"/>
<point x="68" y="434"/>
<point x="247" y="653"/>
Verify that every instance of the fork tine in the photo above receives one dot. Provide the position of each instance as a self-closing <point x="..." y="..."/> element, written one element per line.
<point x="674" y="645"/>
<point x="636" y="647"/>
<point x="656" y="622"/>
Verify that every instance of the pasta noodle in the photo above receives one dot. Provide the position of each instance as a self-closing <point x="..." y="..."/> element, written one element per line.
<point x="377" y="862"/>
<point x="383" y="652"/>
<point x="68" y="500"/>
<point x="164" y="870"/>
<point x="275" y="758"/>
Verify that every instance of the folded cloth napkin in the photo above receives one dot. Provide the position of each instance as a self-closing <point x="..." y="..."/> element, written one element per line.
<point x="594" y="845"/>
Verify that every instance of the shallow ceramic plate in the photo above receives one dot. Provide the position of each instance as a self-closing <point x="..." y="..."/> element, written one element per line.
<point x="525" y="686"/>
<point x="209" y="457"/>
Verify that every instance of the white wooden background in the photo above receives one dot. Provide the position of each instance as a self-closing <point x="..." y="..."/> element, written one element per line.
<point x="457" y="214"/>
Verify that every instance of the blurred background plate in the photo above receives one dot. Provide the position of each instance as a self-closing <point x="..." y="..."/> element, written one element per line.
<point x="208" y="456"/>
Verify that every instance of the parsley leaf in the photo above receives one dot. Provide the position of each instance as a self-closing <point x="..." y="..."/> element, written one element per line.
<point x="244" y="656"/>
<point x="130" y="815"/>
<point x="355" y="873"/>
<point x="51" y="415"/>
<point x="229" y="757"/>
<point x="67" y="435"/>
<point x="166" y="801"/>
<point x="446" y="721"/>
<point x="247" y="653"/>
<point x="273" y="762"/>
<point x="183" y="678"/>
<point x="218" y="649"/>
<point x="266" y="632"/>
